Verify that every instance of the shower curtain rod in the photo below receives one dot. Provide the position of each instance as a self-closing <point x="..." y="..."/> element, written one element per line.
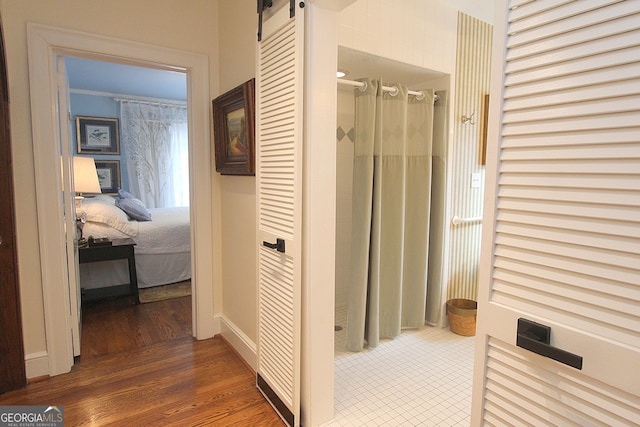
<point x="393" y="89"/>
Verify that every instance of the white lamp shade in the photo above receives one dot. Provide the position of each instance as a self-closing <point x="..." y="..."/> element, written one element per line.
<point x="85" y="175"/>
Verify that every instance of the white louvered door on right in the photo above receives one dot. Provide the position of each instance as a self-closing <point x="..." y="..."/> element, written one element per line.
<point x="559" y="301"/>
<point x="279" y="205"/>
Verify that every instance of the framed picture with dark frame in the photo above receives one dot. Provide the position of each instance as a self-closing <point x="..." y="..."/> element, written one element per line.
<point x="97" y="135"/>
<point x="108" y="175"/>
<point x="484" y="131"/>
<point x="233" y="121"/>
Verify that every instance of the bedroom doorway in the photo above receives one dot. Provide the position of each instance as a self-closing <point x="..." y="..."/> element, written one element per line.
<point x="45" y="45"/>
<point x="147" y="158"/>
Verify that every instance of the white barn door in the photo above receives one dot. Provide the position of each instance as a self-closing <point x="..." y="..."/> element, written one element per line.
<point x="561" y="244"/>
<point x="279" y="183"/>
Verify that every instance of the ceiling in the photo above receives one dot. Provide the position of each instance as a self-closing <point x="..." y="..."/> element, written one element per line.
<point x="121" y="79"/>
<point x="114" y="78"/>
<point x="358" y="64"/>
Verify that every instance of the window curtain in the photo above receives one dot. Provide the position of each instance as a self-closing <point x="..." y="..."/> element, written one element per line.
<point x="390" y="207"/>
<point x="156" y="149"/>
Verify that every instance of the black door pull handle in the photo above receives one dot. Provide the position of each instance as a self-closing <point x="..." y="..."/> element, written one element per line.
<point x="535" y="337"/>
<point x="279" y="245"/>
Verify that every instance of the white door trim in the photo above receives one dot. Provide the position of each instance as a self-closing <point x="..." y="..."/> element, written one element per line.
<point x="319" y="215"/>
<point x="44" y="44"/>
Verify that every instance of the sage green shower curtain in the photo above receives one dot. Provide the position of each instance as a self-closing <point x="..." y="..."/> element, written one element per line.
<point x="390" y="213"/>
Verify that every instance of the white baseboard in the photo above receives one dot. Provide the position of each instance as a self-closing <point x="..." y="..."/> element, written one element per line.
<point x="240" y="342"/>
<point x="217" y="324"/>
<point x="37" y="364"/>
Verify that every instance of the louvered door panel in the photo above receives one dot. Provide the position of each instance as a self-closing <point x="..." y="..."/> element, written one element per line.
<point x="566" y="237"/>
<point x="278" y="161"/>
<point x="276" y="318"/>
<point x="514" y="395"/>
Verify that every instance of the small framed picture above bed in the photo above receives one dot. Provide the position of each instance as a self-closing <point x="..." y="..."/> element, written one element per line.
<point x="108" y="175"/>
<point x="97" y="135"/>
<point x="233" y="121"/>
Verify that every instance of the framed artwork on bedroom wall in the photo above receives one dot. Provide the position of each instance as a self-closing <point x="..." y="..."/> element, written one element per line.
<point x="108" y="175"/>
<point x="233" y="121"/>
<point x="97" y="135"/>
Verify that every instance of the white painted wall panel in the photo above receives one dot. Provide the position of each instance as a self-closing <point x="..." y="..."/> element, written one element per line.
<point x="421" y="33"/>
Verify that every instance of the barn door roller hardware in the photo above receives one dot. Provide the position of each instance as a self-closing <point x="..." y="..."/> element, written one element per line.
<point x="262" y="5"/>
<point x="265" y="4"/>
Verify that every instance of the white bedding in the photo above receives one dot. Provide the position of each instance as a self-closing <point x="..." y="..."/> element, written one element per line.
<point x="162" y="250"/>
<point x="167" y="232"/>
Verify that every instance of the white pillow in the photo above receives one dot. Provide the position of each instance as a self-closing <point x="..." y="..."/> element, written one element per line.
<point x="102" y="211"/>
<point x="104" y="198"/>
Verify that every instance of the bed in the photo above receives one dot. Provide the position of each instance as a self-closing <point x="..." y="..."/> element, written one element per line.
<point x="162" y="251"/>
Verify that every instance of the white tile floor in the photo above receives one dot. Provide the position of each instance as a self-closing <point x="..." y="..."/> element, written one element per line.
<point x="421" y="378"/>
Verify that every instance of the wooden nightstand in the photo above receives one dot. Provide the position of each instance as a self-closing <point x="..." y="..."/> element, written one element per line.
<point x="119" y="249"/>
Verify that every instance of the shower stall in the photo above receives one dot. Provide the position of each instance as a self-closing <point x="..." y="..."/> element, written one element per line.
<point x="391" y="142"/>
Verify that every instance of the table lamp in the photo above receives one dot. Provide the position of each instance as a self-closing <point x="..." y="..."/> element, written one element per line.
<point x="85" y="178"/>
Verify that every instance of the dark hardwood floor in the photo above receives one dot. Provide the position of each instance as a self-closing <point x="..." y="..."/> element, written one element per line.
<point x="116" y="325"/>
<point x="140" y="367"/>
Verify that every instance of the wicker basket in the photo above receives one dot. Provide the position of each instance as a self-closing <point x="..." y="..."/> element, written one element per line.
<point x="462" y="316"/>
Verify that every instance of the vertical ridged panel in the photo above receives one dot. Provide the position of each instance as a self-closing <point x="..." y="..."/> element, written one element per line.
<point x="472" y="84"/>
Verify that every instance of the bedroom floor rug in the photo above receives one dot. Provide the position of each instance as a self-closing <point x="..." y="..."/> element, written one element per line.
<point x="159" y="293"/>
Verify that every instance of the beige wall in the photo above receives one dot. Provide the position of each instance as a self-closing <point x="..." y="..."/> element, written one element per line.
<point x="238" y="20"/>
<point x="169" y="23"/>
